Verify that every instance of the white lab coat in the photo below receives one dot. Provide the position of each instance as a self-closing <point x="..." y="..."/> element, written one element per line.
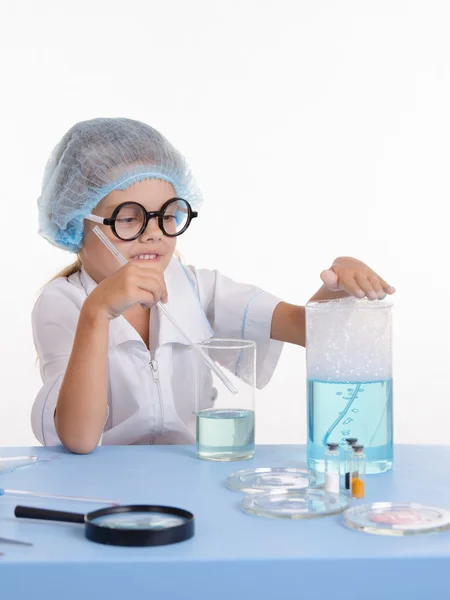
<point x="151" y="393"/>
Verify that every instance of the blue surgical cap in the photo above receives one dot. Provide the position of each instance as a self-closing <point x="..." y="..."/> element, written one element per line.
<point x="93" y="159"/>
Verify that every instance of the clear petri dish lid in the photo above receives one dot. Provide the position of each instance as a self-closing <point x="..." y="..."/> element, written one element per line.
<point x="11" y="463"/>
<point x="396" y="518"/>
<point x="251" y="481"/>
<point x="308" y="503"/>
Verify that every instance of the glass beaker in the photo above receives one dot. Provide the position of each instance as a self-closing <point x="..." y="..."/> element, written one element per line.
<point x="349" y="379"/>
<point x="225" y="422"/>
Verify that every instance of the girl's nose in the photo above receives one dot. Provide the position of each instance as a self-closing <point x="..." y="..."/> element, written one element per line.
<point x="152" y="231"/>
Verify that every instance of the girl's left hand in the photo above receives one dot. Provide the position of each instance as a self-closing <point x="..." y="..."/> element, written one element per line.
<point x="357" y="279"/>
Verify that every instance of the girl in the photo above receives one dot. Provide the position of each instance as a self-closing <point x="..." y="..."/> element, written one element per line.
<point x="114" y="369"/>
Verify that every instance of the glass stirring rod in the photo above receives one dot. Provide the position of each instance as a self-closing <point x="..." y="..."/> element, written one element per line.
<point x="212" y="365"/>
<point x="5" y="492"/>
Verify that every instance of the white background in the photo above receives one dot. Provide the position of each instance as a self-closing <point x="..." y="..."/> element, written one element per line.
<point x="315" y="129"/>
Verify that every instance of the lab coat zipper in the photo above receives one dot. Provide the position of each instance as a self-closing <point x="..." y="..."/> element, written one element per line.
<point x="155" y="373"/>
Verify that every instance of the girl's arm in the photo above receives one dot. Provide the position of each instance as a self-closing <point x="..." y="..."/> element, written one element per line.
<point x="81" y="409"/>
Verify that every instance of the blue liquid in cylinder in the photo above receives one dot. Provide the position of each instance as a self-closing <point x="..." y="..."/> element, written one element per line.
<point x="363" y="409"/>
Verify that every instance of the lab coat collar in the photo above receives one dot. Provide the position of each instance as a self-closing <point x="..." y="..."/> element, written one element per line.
<point x="183" y="303"/>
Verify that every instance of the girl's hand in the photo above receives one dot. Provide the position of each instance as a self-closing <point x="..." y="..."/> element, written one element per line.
<point x="137" y="282"/>
<point x="357" y="279"/>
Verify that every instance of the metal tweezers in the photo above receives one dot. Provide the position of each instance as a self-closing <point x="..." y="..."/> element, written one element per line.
<point x="17" y="542"/>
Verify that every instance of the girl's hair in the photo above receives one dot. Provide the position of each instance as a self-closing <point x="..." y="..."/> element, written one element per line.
<point x="75" y="267"/>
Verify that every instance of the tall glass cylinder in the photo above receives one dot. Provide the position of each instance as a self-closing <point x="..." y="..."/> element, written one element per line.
<point x="349" y="379"/>
<point x="225" y="421"/>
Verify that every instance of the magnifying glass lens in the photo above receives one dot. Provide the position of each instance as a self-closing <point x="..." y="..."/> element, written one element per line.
<point x="139" y="520"/>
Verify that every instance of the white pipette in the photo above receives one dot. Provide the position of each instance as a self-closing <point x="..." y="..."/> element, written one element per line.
<point x="5" y="492"/>
<point x="212" y="365"/>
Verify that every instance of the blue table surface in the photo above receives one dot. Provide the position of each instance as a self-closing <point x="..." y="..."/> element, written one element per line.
<point x="232" y="554"/>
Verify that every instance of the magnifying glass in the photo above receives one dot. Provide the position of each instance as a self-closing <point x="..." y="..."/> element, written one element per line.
<point x="135" y="525"/>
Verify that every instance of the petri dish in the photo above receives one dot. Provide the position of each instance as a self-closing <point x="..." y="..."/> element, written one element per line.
<point x="11" y="463"/>
<point x="253" y="481"/>
<point x="308" y="503"/>
<point x="397" y="518"/>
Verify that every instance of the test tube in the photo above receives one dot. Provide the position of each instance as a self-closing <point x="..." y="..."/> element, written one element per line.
<point x="332" y="468"/>
<point x="358" y="472"/>
<point x="348" y="451"/>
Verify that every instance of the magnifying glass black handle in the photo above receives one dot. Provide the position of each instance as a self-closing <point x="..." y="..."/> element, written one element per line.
<point x="28" y="512"/>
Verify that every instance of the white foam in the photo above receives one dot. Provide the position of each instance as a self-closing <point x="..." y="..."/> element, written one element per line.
<point x="349" y="340"/>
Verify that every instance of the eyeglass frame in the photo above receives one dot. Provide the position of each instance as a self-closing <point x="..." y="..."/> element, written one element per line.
<point x="148" y="215"/>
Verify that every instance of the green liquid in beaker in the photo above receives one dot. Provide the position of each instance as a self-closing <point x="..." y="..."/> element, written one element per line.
<point x="225" y="434"/>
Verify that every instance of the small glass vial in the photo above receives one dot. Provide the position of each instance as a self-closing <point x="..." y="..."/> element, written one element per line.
<point x="358" y="472"/>
<point x="348" y="451"/>
<point x="332" y="468"/>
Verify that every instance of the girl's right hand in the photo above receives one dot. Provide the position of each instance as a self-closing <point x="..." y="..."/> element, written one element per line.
<point x="135" y="283"/>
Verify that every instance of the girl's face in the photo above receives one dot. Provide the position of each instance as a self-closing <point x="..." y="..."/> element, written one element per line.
<point x="151" y="245"/>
